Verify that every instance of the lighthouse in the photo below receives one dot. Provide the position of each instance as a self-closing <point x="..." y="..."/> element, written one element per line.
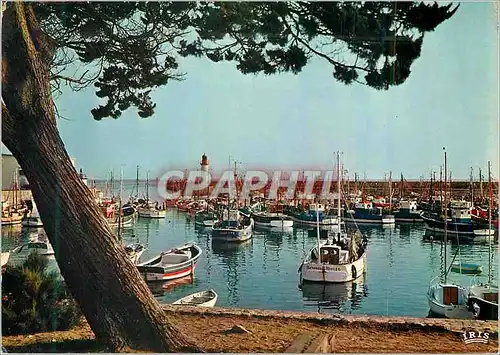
<point x="204" y="163"/>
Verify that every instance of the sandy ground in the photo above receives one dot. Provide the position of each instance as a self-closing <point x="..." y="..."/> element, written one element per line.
<point x="270" y="334"/>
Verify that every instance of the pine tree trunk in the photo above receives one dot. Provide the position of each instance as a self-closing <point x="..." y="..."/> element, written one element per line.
<point x="116" y="302"/>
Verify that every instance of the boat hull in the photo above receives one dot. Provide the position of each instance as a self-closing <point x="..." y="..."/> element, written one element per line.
<point x="126" y="221"/>
<point x="276" y="224"/>
<point x="370" y="219"/>
<point x="152" y="270"/>
<point x="323" y="222"/>
<point x="199" y="299"/>
<point x="483" y="308"/>
<point x="469" y="269"/>
<point x="313" y="272"/>
<point x="232" y="235"/>
<point x="8" y="221"/>
<point x="164" y="274"/>
<point x="145" y="213"/>
<point x="272" y="220"/>
<point x="452" y="311"/>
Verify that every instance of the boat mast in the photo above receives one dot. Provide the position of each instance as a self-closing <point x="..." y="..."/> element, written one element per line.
<point x="472" y="186"/>
<point x="112" y="186"/>
<point x="390" y="190"/>
<point x="445" y="217"/>
<point x="401" y="187"/>
<point x="317" y="232"/>
<point x="441" y="200"/>
<point x="481" y="185"/>
<point x="490" y="206"/>
<point x="147" y="188"/>
<point x="340" y="194"/>
<point x="120" y="203"/>
<point x="137" y="182"/>
<point x="236" y="185"/>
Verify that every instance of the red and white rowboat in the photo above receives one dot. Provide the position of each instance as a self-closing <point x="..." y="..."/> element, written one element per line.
<point x="170" y="265"/>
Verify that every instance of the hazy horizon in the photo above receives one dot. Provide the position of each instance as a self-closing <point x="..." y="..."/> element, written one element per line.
<point x="284" y="121"/>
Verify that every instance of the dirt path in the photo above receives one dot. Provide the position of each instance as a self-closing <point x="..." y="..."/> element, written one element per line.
<point x="274" y="334"/>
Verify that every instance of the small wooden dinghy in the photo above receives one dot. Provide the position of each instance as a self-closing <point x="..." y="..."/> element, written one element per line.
<point x="207" y="298"/>
<point x="467" y="268"/>
<point x="173" y="264"/>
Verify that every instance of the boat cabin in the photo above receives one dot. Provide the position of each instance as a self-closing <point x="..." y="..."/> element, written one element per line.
<point x="313" y="207"/>
<point x="452" y="295"/>
<point x="408" y="205"/>
<point x="332" y="254"/>
<point x="364" y="205"/>
<point x="461" y="211"/>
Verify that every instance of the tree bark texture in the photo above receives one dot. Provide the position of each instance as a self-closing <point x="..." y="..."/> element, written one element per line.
<point x="116" y="302"/>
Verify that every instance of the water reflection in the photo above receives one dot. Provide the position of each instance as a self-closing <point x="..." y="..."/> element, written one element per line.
<point x="234" y="259"/>
<point x="432" y="235"/>
<point x="161" y="288"/>
<point x="341" y="297"/>
<point x="404" y="231"/>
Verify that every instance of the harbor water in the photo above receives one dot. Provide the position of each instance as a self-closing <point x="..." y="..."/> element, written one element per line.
<point x="263" y="272"/>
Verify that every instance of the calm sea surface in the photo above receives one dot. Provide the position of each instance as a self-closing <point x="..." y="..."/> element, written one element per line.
<point x="263" y="273"/>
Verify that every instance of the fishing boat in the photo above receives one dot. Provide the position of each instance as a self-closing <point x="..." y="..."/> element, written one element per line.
<point x="5" y="258"/>
<point x="172" y="264"/>
<point x="10" y="217"/>
<point x="207" y="298"/>
<point x="114" y="219"/>
<point x="365" y="212"/>
<point x="149" y="209"/>
<point x="234" y="227"/>
<point x="466" y="268"/>
<point x="447" y="299"/>
<point x="315" y="212"/>
<point x="460" y="222"/>
<point x="483" y="297"/>
<point x="407" y="212"/>
<point x="268" y="219"/>
<point x="205" y="218"/>
<point x="134" y="251"/>
<point x="335" y="260"/>
<point x="32" y="220"/>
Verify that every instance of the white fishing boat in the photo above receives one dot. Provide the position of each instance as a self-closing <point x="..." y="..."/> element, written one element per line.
<point x="151" y="212"/>
<point x="447" y="299"/>
<point x="172" y="264"/>
<point x="483" y="297"/>
<point x="5" y="258"/>
<point x="269" y="219"/>
<point x="234" y="227"/>
<point x="134" y="251"/>
<point x="207" y="298"/>
<point x="149" y="209"/>
<point x="338" y="259"/>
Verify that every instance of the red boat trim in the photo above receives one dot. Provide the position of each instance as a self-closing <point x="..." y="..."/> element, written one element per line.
<point x="177" y="272"/>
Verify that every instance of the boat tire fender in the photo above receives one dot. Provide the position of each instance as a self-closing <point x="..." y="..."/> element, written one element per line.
<point x="354" y="272"/>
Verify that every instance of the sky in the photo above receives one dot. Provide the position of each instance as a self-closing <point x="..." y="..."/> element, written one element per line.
<point x="450" y="100"/>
